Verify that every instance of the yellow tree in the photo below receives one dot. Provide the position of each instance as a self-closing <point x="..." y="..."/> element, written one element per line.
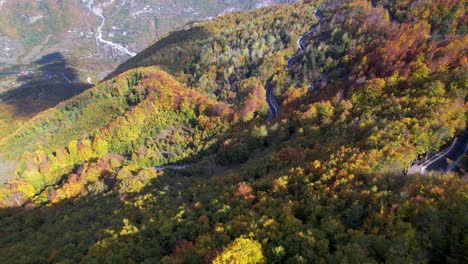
<point x="242" y="250"/>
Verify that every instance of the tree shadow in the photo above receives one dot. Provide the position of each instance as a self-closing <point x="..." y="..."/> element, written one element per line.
<point x="109" y="227"/>
<point x="48" y="81"/>
<point x="80" y="229"/>
<point x="40" y="231"/>
<point x="180" y="42"/>
<point x="164" y="219"/>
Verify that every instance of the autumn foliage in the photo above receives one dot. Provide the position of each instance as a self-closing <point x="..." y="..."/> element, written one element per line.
<point x="379" y="85"/>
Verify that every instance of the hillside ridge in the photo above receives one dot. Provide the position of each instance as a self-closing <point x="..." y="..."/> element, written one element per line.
<point x="280" y="135"/>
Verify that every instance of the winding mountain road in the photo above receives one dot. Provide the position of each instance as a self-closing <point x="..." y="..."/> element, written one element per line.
<point x="270" y="96"/>
<point x="439" y="161"/>
<point x="272" y="101"/>
<point x="301" y="40"/>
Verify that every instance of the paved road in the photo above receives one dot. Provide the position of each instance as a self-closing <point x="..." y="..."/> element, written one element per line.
<point x="272" y="102"/>
<point x="452" y="166"/>
<point x="455" y="151"/>
<point x="301" y="40"/>
<point x="438" y="162"/>
<point x="174" y="167"/>
<point x="270" y="96"/>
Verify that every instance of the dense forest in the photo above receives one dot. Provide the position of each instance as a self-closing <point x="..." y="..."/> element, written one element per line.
<point x="378" y="85"/>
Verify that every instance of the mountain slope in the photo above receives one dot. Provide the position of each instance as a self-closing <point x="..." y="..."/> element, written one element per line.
<point x="365" y="94"/>
<point x="51" y="50"/>
<point x="132" y="114"/>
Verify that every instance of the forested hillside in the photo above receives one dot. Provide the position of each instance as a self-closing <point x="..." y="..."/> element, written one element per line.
<point x="176" y="157"/>
<point x="52" y="50"/>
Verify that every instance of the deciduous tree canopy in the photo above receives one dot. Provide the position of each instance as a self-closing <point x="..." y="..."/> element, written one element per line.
<point x="377" y="85"/>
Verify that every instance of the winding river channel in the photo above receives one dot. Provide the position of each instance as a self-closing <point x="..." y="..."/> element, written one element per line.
<point x="98" y="11"/>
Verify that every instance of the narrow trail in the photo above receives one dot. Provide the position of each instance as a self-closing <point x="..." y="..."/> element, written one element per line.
<point x="97" y="10"/>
